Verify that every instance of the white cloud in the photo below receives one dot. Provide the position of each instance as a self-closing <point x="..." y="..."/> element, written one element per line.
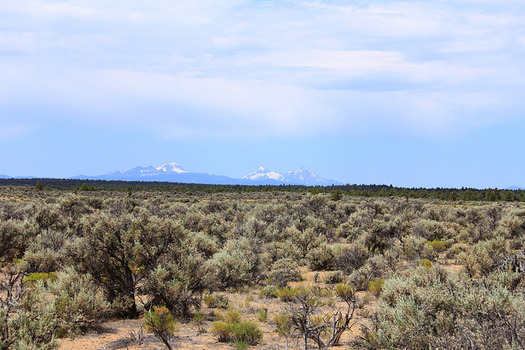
<point x="361" y="61"/>
<point x="267" y="68"/>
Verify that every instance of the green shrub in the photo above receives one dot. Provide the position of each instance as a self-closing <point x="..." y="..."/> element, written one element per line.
<point x="45" y="253"/>
<point x="283" y="324"/>
<point x="237" y="331"/>
<point x="286" y="249"/>
<point x="248" y="332"/>
<point x="79" y="303"/>
<point x="431" y="309"/>
<point x="284" y="271"/>
<point x="348" y="231"/>
<point x="455" y="250"/>
<point x="14" y="238"/>
<point x="235" y="265"/>
<point x="107" y="250"/>
<point x="241" y="345"/>
<point x="321" y="258"/>
<point x="86" y="187"/>
<point x="269" y="291"/>
<point x="337" y="195"/>
<point x="205" y="243"/>
<point x="333" y="277"/>
<point x="352" y="258"/>
<point x="425" y="263"/>
<point x="414" y="247"/>
<point x="438" y="246"/>
<point x="484" y="257"/>
<point x="177" y="285"/>
<point x="32" y="324"/>
<point x="208" y="300"/>
<point x="231" y="316"/>
<point x="216" y="300"/>
<point x="160" y="322"/>
<point x="375" y="287"/>
<point x="262" y="315"/>
<point x="286" y="294"/>
<point x="430" y="229"/>
<point x="378" y="266"/>
<point x="222" y="330"/>
<point x="39" y="276"/>
<point x="198" y="319"/>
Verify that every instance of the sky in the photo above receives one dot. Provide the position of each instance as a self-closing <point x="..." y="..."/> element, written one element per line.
<point x="411" y="93"/>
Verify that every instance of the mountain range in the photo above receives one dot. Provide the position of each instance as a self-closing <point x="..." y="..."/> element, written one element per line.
<point x="173" y="172"/>
<point x="301" y="176"/>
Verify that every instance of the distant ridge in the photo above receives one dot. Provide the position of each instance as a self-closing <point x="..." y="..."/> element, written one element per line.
<point x="173" y="172"/>
<point x="301" y="176"/>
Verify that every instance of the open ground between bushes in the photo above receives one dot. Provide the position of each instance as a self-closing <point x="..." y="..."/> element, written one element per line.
<point x="126" y="334"/>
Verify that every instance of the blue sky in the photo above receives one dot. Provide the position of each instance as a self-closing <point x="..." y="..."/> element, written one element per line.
<point x="409" y="93"/>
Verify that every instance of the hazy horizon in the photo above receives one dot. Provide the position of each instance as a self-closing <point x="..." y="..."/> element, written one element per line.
<point x="409" y="93"/>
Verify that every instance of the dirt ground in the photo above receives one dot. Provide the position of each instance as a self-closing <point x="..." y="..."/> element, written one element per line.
<point x="127" y="334"/>
<point x="124" y="334"/>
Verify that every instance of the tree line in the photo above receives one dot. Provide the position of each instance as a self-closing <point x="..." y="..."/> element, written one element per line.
<point x="370" y="191"/>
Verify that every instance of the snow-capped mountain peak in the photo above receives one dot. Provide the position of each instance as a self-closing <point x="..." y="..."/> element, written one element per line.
<point x="171" y="168"/>
<point x="301" y="176"/>
<point x="304" y="175"/>
<point x="173" y="172"/>
<point x="264" y="174"/>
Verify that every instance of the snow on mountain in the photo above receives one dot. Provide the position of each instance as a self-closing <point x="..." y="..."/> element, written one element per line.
<point x="301" y="176"/>
<point x="305" y="176"/>
<point x="141" y="173"/>
<point x="262" y="174"/>
<point x="171" y="168"/>
<point x="170" y="172"/>
<point x="173" y="172"/>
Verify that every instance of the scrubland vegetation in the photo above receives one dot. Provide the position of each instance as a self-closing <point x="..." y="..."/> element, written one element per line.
<point x="332" y="269"/>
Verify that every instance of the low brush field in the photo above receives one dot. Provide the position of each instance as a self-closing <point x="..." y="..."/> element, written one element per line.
<point x="196" y="269"/>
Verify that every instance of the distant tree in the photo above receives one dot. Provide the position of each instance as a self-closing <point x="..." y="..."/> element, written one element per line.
<point x="85" y="187"/>
<point x="337" y="195"/>
<point x="39" y="186"/>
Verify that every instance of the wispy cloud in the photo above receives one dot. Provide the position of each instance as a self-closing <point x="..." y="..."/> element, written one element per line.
<point x="245" y="68"/>
<point x="15" y="131"/>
